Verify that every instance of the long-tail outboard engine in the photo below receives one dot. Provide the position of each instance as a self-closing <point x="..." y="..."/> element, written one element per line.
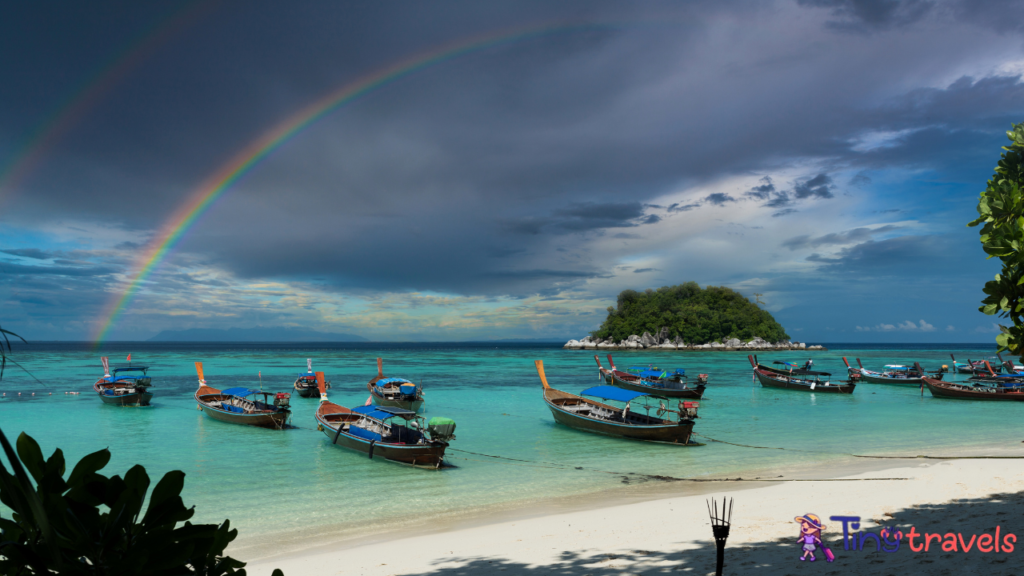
<point x="282" y="399"/>
<point x="143" y="381"/>
<point x="441" y="429"/>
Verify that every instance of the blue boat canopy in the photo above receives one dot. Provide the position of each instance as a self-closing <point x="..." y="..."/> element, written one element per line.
<point x="129" y="369"/>
<point x="612" y="393"/>
<point x="240" y="391"/>
<point x="383" y="412"/>
<point x="652" y="374"/>
<point x="384" y="381"/>
<point x="309" y="374"/>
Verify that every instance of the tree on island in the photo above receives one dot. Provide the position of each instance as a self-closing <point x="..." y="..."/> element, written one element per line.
<point x="1001" y="208"/>
<point x="696" y="315"/>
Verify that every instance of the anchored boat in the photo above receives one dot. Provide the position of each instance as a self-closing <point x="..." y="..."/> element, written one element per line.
<point x="305" y="384"/>
<point x="125" y="386"/>
<point x="799" y="379"/>
<point x="389" y="432"/>
<point x="654" y="381"/>
<point x="239" y="405"/>
<point x="987" y="374"/>
<point x="1009" y="391"/>
<point x="394" y="392"/>
<point x="633" y="422"/>
<point x="893" y="374"/>
<point x="976" y="366"/>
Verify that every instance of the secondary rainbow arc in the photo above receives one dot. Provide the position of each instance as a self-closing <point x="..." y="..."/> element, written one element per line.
<point x="46" y="135"/>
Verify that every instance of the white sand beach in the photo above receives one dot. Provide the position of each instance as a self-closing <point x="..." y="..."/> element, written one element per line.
<point x="673" y="535"/>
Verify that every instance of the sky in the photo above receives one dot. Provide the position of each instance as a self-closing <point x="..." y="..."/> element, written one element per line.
<point x="824" y="154"/>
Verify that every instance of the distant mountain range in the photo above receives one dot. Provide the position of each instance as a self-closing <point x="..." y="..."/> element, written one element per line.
<point x="257" y="334"/>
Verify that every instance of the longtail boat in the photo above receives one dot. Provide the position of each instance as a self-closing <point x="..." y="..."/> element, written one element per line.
<point x="941" y="389"/>
<point x="987" y="374"/>
<point x="374" y="431"/>
<point x="394" y="392"/>
<point x="971" y="366"/>
<point x="305" y="384"/>
<point x="798" y="379"/>
<point x="125" y="386"/>
<point x="628" y="422"/>
<point x="655" y="381"/>
<point x="235" y="406"/>
<point x="893" y="374"/>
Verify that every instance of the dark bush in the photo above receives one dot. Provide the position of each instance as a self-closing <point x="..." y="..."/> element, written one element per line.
<point x="89" y="524"/>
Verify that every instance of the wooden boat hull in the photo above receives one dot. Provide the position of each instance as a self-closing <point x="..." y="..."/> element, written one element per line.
<point x="138" y="399"/>
<point x="638" y="386"/>
<point x="941" y="389"/>
<point x="430" y="456"/>
<point x="872" y="379"/>
<point x="420" y="455"/>
<point x="673" y="434"/>
<point x="307" y="389"/>
<point x="767" y="381"/>
<point x="308" y="392"/>
<point x="275" y="420"/>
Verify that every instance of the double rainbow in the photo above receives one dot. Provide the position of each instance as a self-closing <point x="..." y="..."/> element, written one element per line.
<point x="248" y="158"/>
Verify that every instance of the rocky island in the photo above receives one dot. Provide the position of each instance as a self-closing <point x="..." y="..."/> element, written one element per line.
<point x="687" y="317"/>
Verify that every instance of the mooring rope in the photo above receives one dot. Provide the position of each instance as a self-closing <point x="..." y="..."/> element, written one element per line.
<point x="917" y="457"/>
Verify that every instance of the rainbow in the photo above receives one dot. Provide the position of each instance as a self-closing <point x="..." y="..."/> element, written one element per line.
<point x="72" y="109"/>
<point x="241" y="163"/>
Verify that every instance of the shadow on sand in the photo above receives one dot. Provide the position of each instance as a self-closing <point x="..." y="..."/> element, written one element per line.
<point x="968" y="517"/>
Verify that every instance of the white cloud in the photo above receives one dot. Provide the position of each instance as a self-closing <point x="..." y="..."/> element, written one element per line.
<point x="905" y="326"/>
<point x="950" y="328"/>
<point x="993" y="329"/>
<point x="881" y="139"/>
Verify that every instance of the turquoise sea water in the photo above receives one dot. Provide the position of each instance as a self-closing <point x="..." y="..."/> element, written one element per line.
<point x="283" y="486"/>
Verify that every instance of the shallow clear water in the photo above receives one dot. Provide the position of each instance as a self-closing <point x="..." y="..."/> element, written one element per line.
<point x="277" y="485"/>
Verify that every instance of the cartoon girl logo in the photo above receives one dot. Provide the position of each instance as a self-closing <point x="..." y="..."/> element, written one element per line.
<point x="810" y="537"/>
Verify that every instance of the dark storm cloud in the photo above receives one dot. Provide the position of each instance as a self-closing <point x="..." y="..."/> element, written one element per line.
<point x="778" y="200"/>
<point x="500" y="159"/>
<point x="818" y="187"/>
<point x="21" y="270"/>
<point x="764" y="190"/>
<point x="642" y="270"/>
<point x="586" y="217"/>
<point x="837" y="238"/>
<point x="863" y="15"/>
<point x="683" y="207"/>
<point x="719" y="198"/>
<point x="893" y="256"/>
<point x="33" y="253"/>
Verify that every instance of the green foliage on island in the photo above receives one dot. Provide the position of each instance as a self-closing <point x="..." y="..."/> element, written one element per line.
<point x="88" y="524"/>
<point x="696" y="315"/>
<point x="1001" y="209"/>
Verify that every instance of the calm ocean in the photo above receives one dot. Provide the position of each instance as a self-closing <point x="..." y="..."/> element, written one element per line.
<point x="284" y="486"/>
